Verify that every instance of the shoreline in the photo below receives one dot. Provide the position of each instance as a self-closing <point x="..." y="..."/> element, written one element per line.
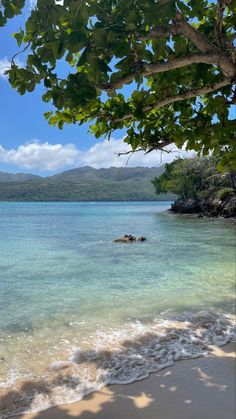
<point x="193" y="388"/>
<point x="210" y="207"/>
<point x="200" y="215"/>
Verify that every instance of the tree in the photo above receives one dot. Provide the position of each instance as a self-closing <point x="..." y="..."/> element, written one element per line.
<point x="178" y="56"/>
<point x="193" y="178"/>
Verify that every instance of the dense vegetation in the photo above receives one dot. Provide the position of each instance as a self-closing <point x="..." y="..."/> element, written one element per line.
<point x="16" y="177"/>
<point x="178" y="55"/>
<point x="200" y="186"/>
<point x="84" y="184"/>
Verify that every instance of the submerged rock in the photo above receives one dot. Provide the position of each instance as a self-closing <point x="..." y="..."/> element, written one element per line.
<point x="128" y="238"/>
<point x="142" y="239"/>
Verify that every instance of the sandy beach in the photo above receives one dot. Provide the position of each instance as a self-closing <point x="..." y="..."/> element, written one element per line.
<point x="199" y="388"/>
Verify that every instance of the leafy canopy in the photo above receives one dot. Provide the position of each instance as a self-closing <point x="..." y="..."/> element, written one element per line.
<point x="194" y="178"/>
<point x="9" y="9"/>
<point x="178" y="56"/>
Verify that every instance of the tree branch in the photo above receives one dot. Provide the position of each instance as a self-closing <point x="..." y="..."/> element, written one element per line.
<point x="190" y="94"/>
<point x="162" y="31"/>
<point x="184" y="96"/>
<point x="196" y="37"/>
<point x="181" y="62"/>
<point x="221" y="5"/>
<point x="155" y="146"/>
<point x="148" y="69"/>
<point x="180" y="27"/>
<point x="204" y="45"/>
<point x="18" y="53"/>
<point x="126" y="153"/>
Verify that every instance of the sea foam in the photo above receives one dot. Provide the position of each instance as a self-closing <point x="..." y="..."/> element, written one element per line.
<point x="120" y="356"/>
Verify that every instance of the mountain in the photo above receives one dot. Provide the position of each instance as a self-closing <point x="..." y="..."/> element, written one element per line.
<point x="83" y="184"/>
<point x="17" y="177"/>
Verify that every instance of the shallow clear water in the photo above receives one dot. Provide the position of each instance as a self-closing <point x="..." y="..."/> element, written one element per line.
<point x="65" y="286"/>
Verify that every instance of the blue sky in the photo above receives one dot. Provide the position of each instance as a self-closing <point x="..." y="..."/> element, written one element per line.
<point x="29" y="144"/>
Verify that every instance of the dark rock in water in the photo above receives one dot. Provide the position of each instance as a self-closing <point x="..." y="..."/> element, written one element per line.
<point x="128" y="238"/>
<point x="142" y="239"/>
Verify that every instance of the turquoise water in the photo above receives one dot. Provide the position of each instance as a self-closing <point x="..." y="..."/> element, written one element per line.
<point x="66" y="287"/>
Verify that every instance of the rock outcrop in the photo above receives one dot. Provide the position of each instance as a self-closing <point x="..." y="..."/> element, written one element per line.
<point x="128" y="238"/>
<point x="142" y="239"/>
<point x="207" y="207"/>
<point x="188" y="206"/>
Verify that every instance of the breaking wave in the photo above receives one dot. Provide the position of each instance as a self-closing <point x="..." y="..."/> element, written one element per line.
<point x="124" y="355"/>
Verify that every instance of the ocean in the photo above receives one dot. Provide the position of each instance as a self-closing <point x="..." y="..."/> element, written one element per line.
<point x="78" y="311"/>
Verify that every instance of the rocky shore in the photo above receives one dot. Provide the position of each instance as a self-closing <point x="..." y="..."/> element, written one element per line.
<point x="208" y="208"/>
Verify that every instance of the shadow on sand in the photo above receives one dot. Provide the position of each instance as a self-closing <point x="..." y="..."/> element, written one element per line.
<point x="192" y="389"/>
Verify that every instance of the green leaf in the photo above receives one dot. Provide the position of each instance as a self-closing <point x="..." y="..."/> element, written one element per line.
<point x="47" y="82"/>
<point x="3" y="19"/>
<point x="9" y="11"/>
<point x="47" y="115"/>
<point x="19" y="37"/>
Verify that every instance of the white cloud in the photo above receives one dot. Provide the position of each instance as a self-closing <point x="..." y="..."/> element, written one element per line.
<point x="40" y="156"/>
<point x="105" y="155"/>
<point x="5" y="64"/>
<point x="37" y="155"/>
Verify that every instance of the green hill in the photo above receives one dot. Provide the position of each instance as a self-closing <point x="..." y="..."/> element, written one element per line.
<point x="83" y="184"/>
<point x="17" y="177"/>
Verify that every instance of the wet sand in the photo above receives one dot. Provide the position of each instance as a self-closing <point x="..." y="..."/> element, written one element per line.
<point x="199" y="388"/>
